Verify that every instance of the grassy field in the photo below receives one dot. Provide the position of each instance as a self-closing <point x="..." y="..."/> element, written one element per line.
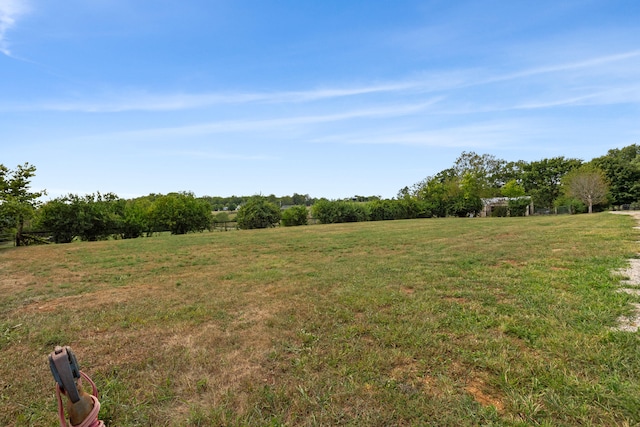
<point x="443" y="322"/>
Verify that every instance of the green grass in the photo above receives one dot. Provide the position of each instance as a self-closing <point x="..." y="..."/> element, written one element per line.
<point x="504" y="322"/>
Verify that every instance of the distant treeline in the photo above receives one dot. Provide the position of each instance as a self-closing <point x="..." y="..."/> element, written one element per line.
<point x="603" y="182"/>
<point x="232" y="203"/>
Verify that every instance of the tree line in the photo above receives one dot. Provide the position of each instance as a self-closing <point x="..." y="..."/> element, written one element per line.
<point x="610" y="180"/>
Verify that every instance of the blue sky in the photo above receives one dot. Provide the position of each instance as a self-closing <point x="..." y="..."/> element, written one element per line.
<point x="329" y="98"/>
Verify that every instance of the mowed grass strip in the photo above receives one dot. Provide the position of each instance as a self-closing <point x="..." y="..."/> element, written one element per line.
<point x="505" y="321"/>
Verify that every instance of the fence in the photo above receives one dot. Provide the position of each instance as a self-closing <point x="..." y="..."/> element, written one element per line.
<point x="7" y="240"/>
<point x="224" y="226"/>
<point x="560" y="210"/>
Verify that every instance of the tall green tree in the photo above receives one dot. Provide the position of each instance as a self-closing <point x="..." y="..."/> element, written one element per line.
<point x="486" y="170"/>
<point x="511" y="171"/>
<point x="17" y="201"/>
<point x="512" y="189"/>
<point x="447" y="194"/>
<point x="622" y="168"/>
<point x="542" y="179"/>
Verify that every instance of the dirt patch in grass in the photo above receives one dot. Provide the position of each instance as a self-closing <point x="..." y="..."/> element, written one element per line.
<point x="630" y="323"/>
<point x="480" y="392"/>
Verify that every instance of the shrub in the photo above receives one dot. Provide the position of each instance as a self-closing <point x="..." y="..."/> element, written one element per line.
<point x="499" y="211"/>
<point x="296" y="215"/>
<point x="381" y="210"/>
<point x="518" y="206"/>
<point x="133" y="219"/>
<point x="61" y="218"/>
<point x="572" y="205"/>
<point x="331" y="212"/>
<point x="179" y="213"/>
<point x="221" y="217"/>
<point x="258" y="212"/>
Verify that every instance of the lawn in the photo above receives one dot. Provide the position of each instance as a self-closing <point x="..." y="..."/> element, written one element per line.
<point x="443" y="322"/>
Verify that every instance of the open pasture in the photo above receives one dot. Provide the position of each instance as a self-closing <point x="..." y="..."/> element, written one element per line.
<point x="496" y="321"/>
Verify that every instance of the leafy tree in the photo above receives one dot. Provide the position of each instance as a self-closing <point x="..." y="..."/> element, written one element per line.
<point x="435" y="196"/>
<point x="542" y="179"/>
<point x="484" y="169"/>
<point x="133" y="217"/>
<point x="622" y="168"/>
<point x="98" y="216"/>
<point x="448" y="194"/>
<point x="61" y="217"/>
<point x="301" y="199"/>
<point x="258" y="212"/>
<point x="295" y="215"/>
<point x="285" y="201"/>
<point x="92" y="217"/>
<point x="510" y="171"/>
<point x="512" y="189"/>
<point x="221" y="217"/>
<point x="587" y="184"/>
<point x="17" y="202"/>
<point x="179" y="213"/>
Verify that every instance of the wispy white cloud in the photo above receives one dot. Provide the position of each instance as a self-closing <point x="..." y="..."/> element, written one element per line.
<point x="481" y="135"/>
<point x="624" y="94"/>
<point x="212" y="155"/>
<point x="441" y="82"/>
<point x="584" y="64"/>
<point x="141" y="101"/>
<point x="10" y="10"/>
<point x="280" y="124"/>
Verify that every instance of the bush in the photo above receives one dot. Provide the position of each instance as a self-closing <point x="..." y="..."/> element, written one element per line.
<point x="382" y="210"/>
<point x="499" y="211"/>
<point x="413" y="208"/>
<point x="133" y="219"/>
<point x="332" y="212"/>
<point x="221" y="217"/>
<point x="98" y="218"/>
<point x="179" y="213"/>
<point x="296" y="215"/>
<point x="258" y="212"/>
<point x="572" y="205"/>
<point x="518" y="206"/>
<point x="60" y="217"/>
